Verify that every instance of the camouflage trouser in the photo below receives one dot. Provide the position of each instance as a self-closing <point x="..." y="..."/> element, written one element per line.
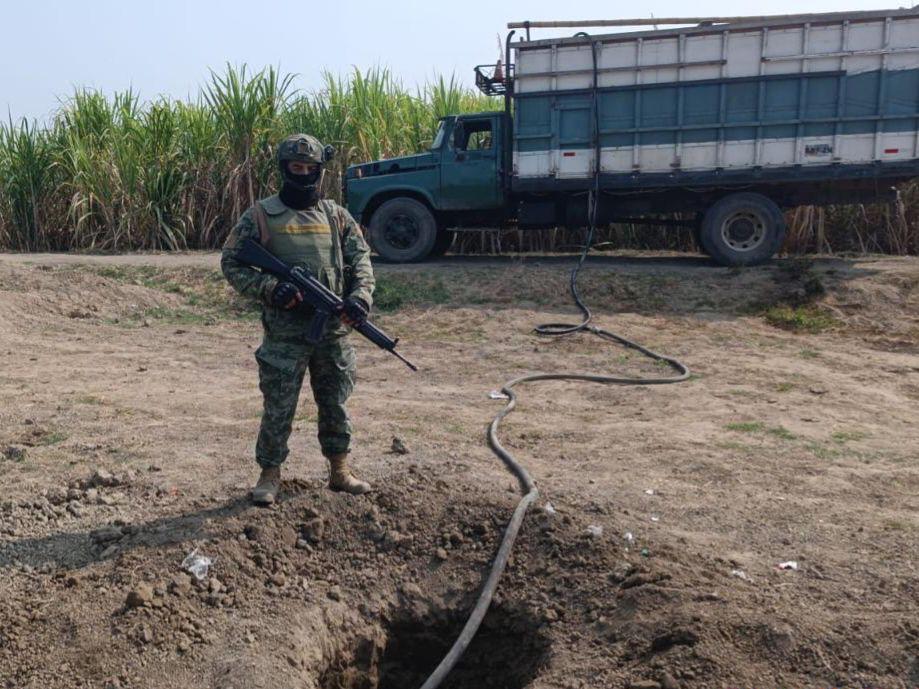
<point x="282" y="365"/>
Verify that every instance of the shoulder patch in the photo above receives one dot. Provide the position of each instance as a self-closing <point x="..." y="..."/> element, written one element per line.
<point x="273" y="205"/>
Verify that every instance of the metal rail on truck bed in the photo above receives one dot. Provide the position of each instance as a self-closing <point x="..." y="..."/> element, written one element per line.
<point x="814" y="97"/>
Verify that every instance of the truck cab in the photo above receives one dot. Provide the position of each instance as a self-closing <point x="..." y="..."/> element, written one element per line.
<point x="408" y="204"/>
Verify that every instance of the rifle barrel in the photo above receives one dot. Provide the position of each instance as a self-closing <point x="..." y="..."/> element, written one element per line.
<point x="403" y="360"/>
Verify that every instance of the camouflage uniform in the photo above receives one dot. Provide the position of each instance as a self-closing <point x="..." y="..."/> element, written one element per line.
<point x="327" y="240"/>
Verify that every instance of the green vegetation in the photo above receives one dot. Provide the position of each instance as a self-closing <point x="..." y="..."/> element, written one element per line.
<point x="114" y="173"/>
<point x="206" y="298"/>
<point x="897" y="525"/>
<point x="821" y="451"/>
<point x="759" y="427"/>
<point x="178" y="316"/>
<point x="394" y="291"/>
<point x="90" y="399"/>
<point x="204" y="292"/>
<point x="843" y="437"/>
<point x="53" y="438"/>
<point x="830" y="449"/>
<point x="747" y="427"/>
<point x="800" y="319"/>
<point x="781" y="432"/>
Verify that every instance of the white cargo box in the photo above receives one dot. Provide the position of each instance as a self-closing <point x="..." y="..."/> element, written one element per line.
<point x="830" y="90"/>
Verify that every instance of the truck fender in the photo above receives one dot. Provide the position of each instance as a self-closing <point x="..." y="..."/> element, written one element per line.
<point x="392" y="192"/>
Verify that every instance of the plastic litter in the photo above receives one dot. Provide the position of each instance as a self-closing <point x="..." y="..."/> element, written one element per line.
<point x="650" y="491"/>
<point x="549" y="509"/>
<point x="655" y="519"/>
<point x="595" y="531"/>
<point x="791" y="564"/>
<point x="740" y="574"/>
<point x="196" y="564"/>
<point x="629" y="538"/>
<point x="498" y="395"/>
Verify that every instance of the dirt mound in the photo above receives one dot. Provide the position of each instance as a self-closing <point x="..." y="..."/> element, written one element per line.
<point x="880" y="298"/>
<point x="335" y="593"/>
<point x="877" y="297"/>
<point x="41" y="294"/>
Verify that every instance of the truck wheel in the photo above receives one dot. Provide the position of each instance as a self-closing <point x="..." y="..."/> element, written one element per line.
<point x="403" y="230"/>
<point x="443" y="242"/>
<point x="742" y="230"/>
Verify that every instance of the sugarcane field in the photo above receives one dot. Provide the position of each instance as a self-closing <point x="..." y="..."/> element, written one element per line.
<point x="532" y="347"/>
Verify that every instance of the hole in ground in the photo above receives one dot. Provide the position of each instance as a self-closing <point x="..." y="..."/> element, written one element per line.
<point x="508" y="652"/>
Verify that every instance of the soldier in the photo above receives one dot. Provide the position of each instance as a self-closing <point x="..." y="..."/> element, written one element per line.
<point x="301" y="228"/>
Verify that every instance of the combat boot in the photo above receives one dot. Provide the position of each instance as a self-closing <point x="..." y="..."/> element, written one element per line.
<point x="341" y="479"/>
<point x="266" y="490"/>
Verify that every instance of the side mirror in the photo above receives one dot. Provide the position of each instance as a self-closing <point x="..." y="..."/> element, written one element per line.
<point x="459" y="137"/>
<point x="328" y="153"/>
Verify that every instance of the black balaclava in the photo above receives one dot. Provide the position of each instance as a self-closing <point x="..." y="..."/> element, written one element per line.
<point x="299" y="191"/>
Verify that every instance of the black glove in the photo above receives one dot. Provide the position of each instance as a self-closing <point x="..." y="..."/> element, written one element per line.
<point x="356" y="309"/>
<point x="283" y="294"/>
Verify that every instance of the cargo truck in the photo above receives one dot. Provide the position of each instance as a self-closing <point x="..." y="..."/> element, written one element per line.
<point x="720" y="125"/>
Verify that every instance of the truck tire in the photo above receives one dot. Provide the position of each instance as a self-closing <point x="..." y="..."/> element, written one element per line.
<point x="443" y="242"/>
<point x="743" y="229"/>
<point x="403" y="230"/>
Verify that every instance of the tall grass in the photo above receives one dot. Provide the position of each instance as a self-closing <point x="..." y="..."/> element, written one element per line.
<point x="112" y="173"/>
<point x="890" y="228"/>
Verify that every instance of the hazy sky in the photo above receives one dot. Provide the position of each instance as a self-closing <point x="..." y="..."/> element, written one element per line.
<point x="49" y="47"/>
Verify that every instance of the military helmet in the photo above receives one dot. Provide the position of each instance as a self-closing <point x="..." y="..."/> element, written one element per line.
<point x="305" y="149"/>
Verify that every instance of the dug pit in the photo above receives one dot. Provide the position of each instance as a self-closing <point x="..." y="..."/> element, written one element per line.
<point x="508" y="652"/>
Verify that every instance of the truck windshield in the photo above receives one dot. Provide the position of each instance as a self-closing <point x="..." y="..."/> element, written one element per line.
<point x="439" y="136"/>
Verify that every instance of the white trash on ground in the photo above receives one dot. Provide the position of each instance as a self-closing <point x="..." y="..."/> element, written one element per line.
<point x="790" y="564"/>
<point x="196" y="564"/>
<point x="549" y="509"/>
<point x="740" y="574"/>
<point x="595" y="531"/>
<point x="498" y="395"/>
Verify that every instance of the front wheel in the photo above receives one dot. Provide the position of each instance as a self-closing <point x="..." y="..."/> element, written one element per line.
<point x="743" y="229"/>
<point x="403" y="230"/>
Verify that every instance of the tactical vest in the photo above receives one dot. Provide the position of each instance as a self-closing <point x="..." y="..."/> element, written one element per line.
<point x="308" y="238"/>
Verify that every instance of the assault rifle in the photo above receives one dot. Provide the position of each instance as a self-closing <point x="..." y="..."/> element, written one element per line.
<point x="325" y="302"/>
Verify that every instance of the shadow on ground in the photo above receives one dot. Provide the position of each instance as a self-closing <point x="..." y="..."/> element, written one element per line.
<point x="77" y="549"/>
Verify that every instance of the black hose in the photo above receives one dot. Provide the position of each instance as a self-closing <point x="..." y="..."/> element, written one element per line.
<point x="527" y="485"/>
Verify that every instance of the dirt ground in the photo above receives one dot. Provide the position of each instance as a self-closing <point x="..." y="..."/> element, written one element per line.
<point x="128" y="413"/>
